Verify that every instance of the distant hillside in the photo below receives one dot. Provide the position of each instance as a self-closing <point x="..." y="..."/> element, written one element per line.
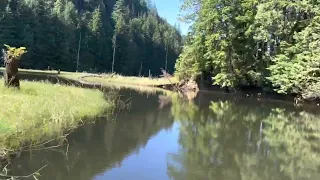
<point x="57" y="32"/>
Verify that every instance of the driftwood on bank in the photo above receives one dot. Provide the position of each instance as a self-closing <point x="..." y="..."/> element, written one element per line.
<point x="184" y="86"/>
<point x="188" y="85"/>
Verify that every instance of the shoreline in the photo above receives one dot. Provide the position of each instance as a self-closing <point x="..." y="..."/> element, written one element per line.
<point x="42" y="112"/>
<point x="82" y="83"/>
<point x="256" y="93"/>
<point x="82" y="80"/>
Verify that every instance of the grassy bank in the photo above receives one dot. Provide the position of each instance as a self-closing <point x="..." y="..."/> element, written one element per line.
<point x="105" y="79"/>
<point x="64" y="74"/>
<point x="131" y="80"/>
<point x="41" y="111"/>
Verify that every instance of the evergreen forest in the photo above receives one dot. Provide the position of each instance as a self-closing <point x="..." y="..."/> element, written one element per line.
<point x="273" y="44"/>
<point x="268" y="44"/>
<point x="124" y="36"/>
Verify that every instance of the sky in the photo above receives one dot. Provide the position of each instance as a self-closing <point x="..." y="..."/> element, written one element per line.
<point x="169" y="10"/>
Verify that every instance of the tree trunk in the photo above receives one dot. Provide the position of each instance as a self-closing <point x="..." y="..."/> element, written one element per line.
<point x="114" y="52"/>
<point x="140" y="69"/>
<point x="166" y="58"/>
<point x="78" y="56"/>
<point x="11" y="78"/>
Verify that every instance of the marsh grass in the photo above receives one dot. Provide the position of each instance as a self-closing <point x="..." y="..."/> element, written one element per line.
<point x="104" y="79"/>
<point x="64" y="74"/>
<point x="140" y="89"/>
<point x="73" y="75"/>
<point x="131" y="80"/>
<point x="41" y="111"/>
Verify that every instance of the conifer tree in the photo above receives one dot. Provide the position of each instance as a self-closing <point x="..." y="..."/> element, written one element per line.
<point x="95" y="35"/>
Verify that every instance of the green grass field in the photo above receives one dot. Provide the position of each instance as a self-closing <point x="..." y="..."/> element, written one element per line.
<point x="40" y="111"/>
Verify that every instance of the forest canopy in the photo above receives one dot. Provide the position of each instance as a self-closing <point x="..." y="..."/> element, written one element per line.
<point x="124" y="36"/>
<point x="272" y="44"/>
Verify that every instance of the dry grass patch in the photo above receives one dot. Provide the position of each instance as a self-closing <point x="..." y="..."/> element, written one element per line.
<point x="131" y="80"/>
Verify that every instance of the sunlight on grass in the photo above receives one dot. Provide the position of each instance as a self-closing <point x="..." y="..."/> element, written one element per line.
<point x="73" y="75"/>
<point x="131" y="80"/>
<point x="64" y="74"/>
<point x="105" y="79"/>
<point x="140" y="89"/>
<point x="34" y="71"/>
<point x="40" y="111"/>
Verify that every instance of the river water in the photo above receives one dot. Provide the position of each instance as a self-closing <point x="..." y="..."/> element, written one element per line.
<point x="214" y="136"/>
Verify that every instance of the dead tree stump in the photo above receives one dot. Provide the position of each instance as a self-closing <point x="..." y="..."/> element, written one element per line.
<point x="10" y="74"/>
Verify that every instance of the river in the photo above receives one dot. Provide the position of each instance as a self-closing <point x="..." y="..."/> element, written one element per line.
<point x="214" y="136"/>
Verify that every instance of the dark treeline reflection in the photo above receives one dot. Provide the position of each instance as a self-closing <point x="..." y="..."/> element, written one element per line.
<point x="96" y="148"/>
<point x="219" y="137"/>
<point x="231" y="138"/>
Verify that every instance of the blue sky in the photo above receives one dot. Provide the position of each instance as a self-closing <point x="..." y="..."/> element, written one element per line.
<point x="169" y="9"/>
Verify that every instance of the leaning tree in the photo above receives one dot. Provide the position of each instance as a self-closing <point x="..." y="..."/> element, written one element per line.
<point x="11" y="57"/>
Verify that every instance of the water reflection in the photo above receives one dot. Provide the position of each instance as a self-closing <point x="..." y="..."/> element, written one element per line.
<point x="164" y="136"/>
<point x="242" y="139"/>
<point x="96" y="148"/>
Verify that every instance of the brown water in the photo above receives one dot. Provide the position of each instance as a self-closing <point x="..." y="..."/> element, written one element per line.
<point x="215" y="136"/>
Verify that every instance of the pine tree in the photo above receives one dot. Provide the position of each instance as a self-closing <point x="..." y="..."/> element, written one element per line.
<point x="8" y="31"/>
<point x="79" y="35"/>
<point x="119" y="16"/>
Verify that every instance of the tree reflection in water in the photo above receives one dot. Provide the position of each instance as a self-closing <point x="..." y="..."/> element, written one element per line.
<point x="220" y="137"/>
<point x="99" y="147"/>
<point x="241" y="139"/>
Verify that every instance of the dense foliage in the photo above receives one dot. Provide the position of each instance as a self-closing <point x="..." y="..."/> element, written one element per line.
<point x="266" y="43"/>
<point x="123" y="36"/>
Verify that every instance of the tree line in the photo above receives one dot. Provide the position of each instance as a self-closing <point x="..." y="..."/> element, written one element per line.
<point x="122" y="36"/>
<point x="273" y="44"/>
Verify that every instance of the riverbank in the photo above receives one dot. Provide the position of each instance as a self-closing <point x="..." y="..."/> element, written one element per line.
<point x="100" y="79"/>
<point x="41" y="111"/>
<point x="91" y="80"/>
<point x="130" y="80"/>
<point x="64" y="74"/>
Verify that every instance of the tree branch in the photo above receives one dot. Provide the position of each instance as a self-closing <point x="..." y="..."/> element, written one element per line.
<point x="26" y="176"/>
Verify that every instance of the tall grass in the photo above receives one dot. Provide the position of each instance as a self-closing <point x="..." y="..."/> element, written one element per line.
<point x="131" y="80"/>
<point x="140" y="89"/>
<point x="64" y="74"/>
<point x="40" y="111"/>
<point x="105" y="79"/>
